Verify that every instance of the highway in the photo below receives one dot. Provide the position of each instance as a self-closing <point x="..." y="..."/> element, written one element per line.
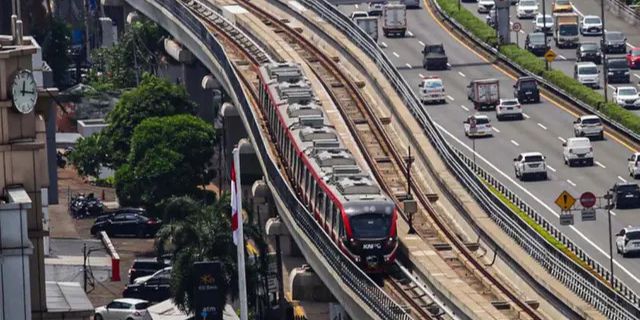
<point x="545" y="126"/>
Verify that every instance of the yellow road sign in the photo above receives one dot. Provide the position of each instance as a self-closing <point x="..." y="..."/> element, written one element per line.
<point x="565" y="201"/>
<point x="550" y="55"/>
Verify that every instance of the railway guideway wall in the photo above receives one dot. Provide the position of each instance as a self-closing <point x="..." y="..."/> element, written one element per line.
<point x="352" y="288"/>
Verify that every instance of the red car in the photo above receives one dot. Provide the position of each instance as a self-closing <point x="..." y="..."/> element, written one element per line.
<point x="633" y="58"/>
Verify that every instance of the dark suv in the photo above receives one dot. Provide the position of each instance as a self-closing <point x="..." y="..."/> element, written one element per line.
<point x="146" y="266"/>
<point x="589" y="51"/>
<point x="618" y="70"/>
<point x="535" y="43"/>
<point x="526" y="90"/>
<point x="614" y="42"/>
<point x="626" y="195"/>
<point x="154" y="289"/>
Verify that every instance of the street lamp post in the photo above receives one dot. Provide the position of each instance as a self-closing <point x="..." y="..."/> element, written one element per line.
<point x="604" y="55"/>
<point x="544" y="30"/>
<point x="609" y="197"/>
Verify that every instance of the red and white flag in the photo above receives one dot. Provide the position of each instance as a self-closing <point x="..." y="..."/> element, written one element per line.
<point x="236" y="219"/>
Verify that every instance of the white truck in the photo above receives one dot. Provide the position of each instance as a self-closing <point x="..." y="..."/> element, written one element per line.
<point x="566" y="32"/>
<point x="484" y="93"/>
<point x="394" y="19"/>
<point x="369" y="25"/>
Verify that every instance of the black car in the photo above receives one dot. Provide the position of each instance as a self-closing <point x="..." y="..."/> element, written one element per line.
<point x="128" y="223"/>
<point x="526" y="90"/>
<point x="146" y="266"/>
<point x="618" y="70"/>
<point x="614" y="42"/>
<point x="154" y="289"/>
<point x="536" y="44"/>
<point x="626" y="195"/>
<point x="589" y="51"/>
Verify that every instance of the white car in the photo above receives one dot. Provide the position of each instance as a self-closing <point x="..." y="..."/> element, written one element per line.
<point x="627" y="97"/>
<point x="358" y="14"/>
<point x="484" y="6"/>
<point x="588" y="126"/>
<point x="577" y="150"/>
<point x="527" y="9"/>
<point x="628" y="240"/>
<point x="541" y="26"/>
<point x="591" y="26"/>
<point x="509" y="108"/>
<point x="122" y="309"/>
<point x="165" y="273"/>
<point x="432" y="90"/>
<point x="633" y="165"/>
<point x="587" y="73"/>
<point x="477" y="125"/>
<point x="530" y="164"/>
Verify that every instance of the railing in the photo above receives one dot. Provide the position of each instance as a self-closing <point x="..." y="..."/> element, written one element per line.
<point x="352" y="276"/>
<point x="621" y="9"/>
<point x="613" y="304"/>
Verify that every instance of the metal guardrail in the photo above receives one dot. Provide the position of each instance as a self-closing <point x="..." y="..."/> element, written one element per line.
<point x="619" y="8"/>
<point x="350" y="274"/>
<point x="614" y="305"/>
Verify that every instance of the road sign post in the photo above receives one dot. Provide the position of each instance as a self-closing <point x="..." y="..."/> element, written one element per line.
<point x="565" y="201"/>
<point x="550" y="55"/>
<point x="516" y="27"/>
<point x="473" y="129"/>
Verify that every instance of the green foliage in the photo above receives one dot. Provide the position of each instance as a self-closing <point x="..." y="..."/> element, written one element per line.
<point x="476" y="26"/>
<point x="168" y="157"/>
<point x="524" y="58"/>
<point x="137" y="52"/>
<point x="55" y="38"/>
<point x="154" y="97"/>
<point x="88" y="155"/>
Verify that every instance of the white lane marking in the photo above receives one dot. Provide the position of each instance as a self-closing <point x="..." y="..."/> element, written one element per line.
<point x="495" y="129"/>
<point x="356" y="6"/>
<point x="612" y="87"/>
<point x="409" y="33"/>
<point x="395" y="54"/>
<point x="637" y="76"/>
<point x="628" y="44"/>
<point x="526" y="115"/>
<point x="622" y="179"/>
<point x="421" y="43"/>
<point x="408" y="66"/>
<point x="384" y="45"/>
<point x="562" y="57"/>
<point x="562" y="139"/>
<point x="522" y="31"/>
<point x="544" y="205"/>
<point x="577" y="11"/>
<point x="461" y="74"/>
<point x="551" y="168"/>
<point x="613" y="213"/>
<point x="571" y="183"/>
<point x="464" y="108"/>
<point x="542" y="126"/>
<point x="449" y="65"/>
<point x="451" y="98"/>
<point x="421" y="75"/>
<point x="600" y="164"/>
<point x="515" y="143"/>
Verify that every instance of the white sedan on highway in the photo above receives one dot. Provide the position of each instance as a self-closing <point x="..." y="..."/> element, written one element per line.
<point x="477" y="125"/>
<point x="527" y="9"/>
<point x="509" y="108"/>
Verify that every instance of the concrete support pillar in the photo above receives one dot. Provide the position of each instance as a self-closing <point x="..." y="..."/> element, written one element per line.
<point x="261" y="202"/>
<point x="307" y="286"/>
<point x="251" y="170"/>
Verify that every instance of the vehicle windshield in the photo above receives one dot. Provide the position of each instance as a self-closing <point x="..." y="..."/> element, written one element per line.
<point x="633" y="235"/>
<point x="537" y="158"/>
<point x="589" y="47"/>
<point x="528" y="85"/>
<point x="568" y="30"/>
<point x="482" y="120"/>
<point x="591" y="121"/>
<point x="592" y="20"/>
<point x="365" y="226"/>
<point x="433" y="84"/>
<point x="588" y="70"/>
<point x="536" y="37"/>
<point x="628" y="187"/>
<point x="635" y="52"/>
<point x="627" y="92"/>
<point x="618" y="64"/>
<point x="510" y="102"/>
<point x="527" y="3"/>
<point x="562" y="2"/>
<point x="435" y="49"/>
<point x="614" y="36"/>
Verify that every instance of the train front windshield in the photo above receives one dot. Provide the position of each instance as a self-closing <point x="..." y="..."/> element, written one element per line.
<point x="370" y="226"/>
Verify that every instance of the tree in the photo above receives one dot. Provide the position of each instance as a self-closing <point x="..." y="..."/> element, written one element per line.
<point x="154" y="97"/>
<point x="168" y="157"/>
<point x="54" y="35"/>
<point x="88" y="155"/>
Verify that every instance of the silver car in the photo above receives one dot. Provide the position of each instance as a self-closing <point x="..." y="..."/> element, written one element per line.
<point x="628" y="241"/>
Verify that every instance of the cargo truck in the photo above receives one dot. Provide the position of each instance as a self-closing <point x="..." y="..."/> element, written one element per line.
<point x="566" y="32"/>
<point x="394" y="19"/>
<point x="369" y="25"/>
<point x="484" y="93"/>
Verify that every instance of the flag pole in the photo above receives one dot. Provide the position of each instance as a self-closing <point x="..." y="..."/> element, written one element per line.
<point x="242" y="279"/>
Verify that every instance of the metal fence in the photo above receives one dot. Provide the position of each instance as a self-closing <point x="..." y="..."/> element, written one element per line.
<point x="624" y="11"/>
<point x="613" y="304"/>
<point x="352" y="276"/>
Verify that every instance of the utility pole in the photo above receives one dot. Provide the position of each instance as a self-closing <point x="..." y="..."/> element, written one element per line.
<point x="544" y="30"/>
<point x="85" y="10"/>
<point x="409" y="203"/>
<point x="604" y="59"/>
<point x="609" y="197"/>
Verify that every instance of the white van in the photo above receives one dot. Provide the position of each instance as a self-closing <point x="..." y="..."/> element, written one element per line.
<point x="577" y="150"/>
<point x="587" y="73"/>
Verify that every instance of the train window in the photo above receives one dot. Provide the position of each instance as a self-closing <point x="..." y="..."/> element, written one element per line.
<point x="318" y="201"/>
<point x="313" y="193"/>
<point x="339" y="228"/>
<point x="327" y="218"/>
<point x="334" y="219"/>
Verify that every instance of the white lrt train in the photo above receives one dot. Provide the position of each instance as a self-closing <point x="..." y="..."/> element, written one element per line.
<point x="344" y="198"/>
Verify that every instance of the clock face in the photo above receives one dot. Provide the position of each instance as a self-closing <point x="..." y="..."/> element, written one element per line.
<point x="24" y="91"/>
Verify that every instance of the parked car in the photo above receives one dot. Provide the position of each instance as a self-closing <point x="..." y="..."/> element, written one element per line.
<point x="509" y="108"/>
<point x="628" y="240"/>
<point x="617" y="70"/>
<point x="587" y="73"/>
<point x="577" y="150"/>
<point x="432" y="90"/>
<point x="154" y="289"/>
<point x="165" y="272"/>
<point x="526" y="89"/>
<point x="591" y="26"/>
<point x="530" y="164"/>
<point x="527" y="9"/>
<point x="588" y="126"/>
<point x="127" y="224"/>
<point x="626" y="195"/>
<point x="535" y="43"/>
<point x="484" y="6"/>
<point x="633" y="164"/>
<point x="560" y="6"/>
<point x="146" y="266"/>
<point x="633" y="58"/>
<point x="589" y="51"/>
<point x="613" y="42"/>
<point x="477" y="125"/>
<point x="543" y="23"/>
<point x="122" y="309"/>
<point x="627" y="97"/>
